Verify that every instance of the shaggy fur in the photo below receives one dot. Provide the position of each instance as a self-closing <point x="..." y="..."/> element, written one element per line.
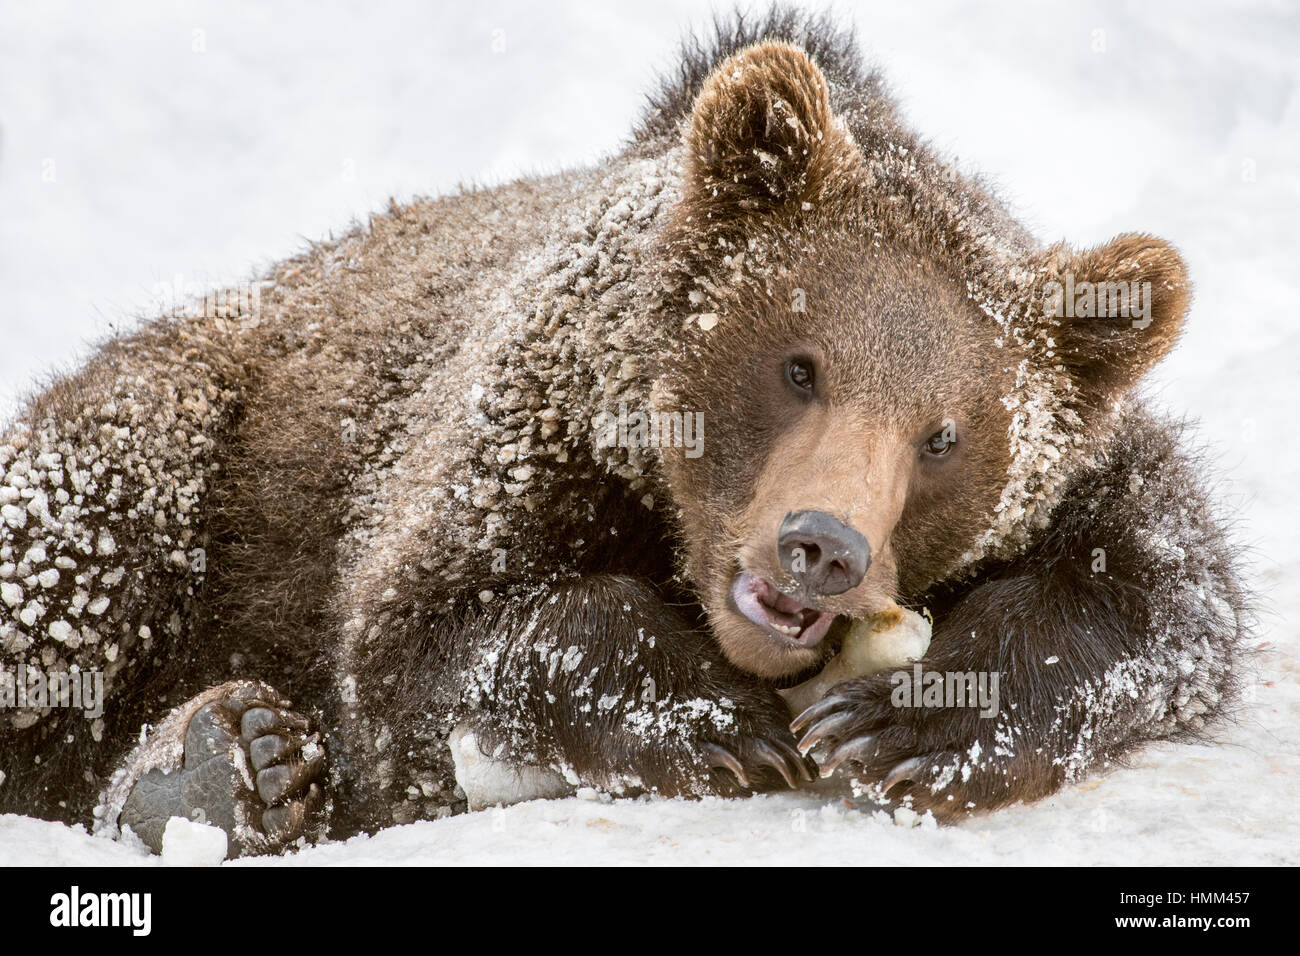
<point x="384" y="494"/>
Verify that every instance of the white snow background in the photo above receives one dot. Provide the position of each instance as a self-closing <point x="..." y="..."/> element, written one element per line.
<point x="146" y="145"/>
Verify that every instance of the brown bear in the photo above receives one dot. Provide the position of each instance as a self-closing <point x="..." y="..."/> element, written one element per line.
<point x="591" y="465"/>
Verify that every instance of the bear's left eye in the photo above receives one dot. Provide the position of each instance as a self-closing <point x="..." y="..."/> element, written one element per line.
<point x="799" y="372"/>
<point x="939" y="444"/>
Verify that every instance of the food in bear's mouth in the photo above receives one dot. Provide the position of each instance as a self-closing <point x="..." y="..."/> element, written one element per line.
<point x="885" y="641"/>
<point x="779" y="614"/>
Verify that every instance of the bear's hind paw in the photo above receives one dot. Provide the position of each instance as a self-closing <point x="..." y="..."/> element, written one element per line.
<point x="250" y="765"/>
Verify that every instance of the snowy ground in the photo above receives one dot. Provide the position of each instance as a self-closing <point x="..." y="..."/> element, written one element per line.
<point x="146" y="147"/>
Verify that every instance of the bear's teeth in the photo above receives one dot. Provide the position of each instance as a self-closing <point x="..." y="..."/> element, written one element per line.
<point x="789" y="630"/>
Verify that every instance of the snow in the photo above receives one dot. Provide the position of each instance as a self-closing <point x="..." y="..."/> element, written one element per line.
<point x="1156" y="812"/>
<point x="1184" y="122"/>
<point x="489" y="782"/>
<point x="188" y="843"/>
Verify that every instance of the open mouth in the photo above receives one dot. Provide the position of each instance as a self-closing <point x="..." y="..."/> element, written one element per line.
<point x="778" y="614"/>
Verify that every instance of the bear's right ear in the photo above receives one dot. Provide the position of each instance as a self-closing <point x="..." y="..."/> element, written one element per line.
<point x="762" y="135"/>
<point x="1117" y="310"/>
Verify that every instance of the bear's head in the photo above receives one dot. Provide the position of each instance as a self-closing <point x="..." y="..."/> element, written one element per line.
<point x="894" y="381"/>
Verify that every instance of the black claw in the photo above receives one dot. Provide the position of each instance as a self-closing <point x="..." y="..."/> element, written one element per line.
<point x="724" y="759"/>
<point x="797" y="759"/>
<point x="777" y="761"/>
<point x="817" y="711"/>
<point x="907" y="770"/>
<point x="827" y="727"/>
<point x="860" y="749"/>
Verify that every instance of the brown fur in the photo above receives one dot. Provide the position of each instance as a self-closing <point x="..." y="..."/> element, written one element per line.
<point x="409" y="520"/>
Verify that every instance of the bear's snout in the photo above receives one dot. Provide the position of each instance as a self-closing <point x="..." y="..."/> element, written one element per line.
<point x="823" y="553"/>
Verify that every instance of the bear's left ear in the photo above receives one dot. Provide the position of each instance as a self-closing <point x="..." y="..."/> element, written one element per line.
<point x="1119" y="309"/>
<point x="762" y="135"/>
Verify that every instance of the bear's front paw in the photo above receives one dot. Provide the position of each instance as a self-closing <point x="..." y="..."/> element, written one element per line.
<point x="943" y="759"/>
<point x="760" y="756"/>
<point x="251" y="766"/>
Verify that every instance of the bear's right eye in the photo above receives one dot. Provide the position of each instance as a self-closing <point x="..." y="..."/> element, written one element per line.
<point x="799" y="372"/>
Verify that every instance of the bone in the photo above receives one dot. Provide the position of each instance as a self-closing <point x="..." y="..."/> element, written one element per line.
<point x="887" y="641"/>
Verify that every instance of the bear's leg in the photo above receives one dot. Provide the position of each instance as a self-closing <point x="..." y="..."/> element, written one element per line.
<point x="236" y="756"/>
<point x="103" y="485"/>
<point x="596" y="678"/>
<point x="1084" y="672"/>
<point x="603" y="681"/>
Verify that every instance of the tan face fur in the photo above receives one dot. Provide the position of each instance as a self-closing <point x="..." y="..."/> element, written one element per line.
<point x="897" y="356"/>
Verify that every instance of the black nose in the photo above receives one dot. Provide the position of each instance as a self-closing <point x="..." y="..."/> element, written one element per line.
<point x="823" y="552"/>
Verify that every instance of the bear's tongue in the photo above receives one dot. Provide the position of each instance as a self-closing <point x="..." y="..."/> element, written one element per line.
<point x="777" y="613"/>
